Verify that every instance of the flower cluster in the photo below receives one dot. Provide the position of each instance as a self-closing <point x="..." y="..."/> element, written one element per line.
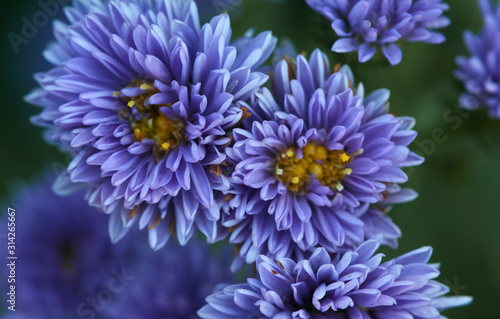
<point x="317" y="154"/>
<point x="365" y="25"/>
<point x="479" y="72"/>
<point x="69" y="266"/>
<point x="353" y="285"/>
<point x="175" y="126"/>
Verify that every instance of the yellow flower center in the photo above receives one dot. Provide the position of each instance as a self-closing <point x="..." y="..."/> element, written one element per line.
<point x="328" y="167"/>
<point x="149" y="122"/>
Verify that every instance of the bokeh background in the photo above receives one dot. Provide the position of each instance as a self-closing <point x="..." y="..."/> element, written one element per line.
<point x="457" y="211"/>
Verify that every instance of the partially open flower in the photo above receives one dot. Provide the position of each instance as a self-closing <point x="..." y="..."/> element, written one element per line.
<point x="351" y="285"/>
<point x="365" y="25"/>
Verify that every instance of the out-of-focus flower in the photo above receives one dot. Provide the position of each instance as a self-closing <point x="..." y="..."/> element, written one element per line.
<point x="317" y="155"/>
<point x="63" y="252"/>
<point x="143" y="98"/>
<point x="353" y="285"/>
<point x="365" y="25"/>
<point x="67" y="267"/>
<point x="174" y="283"/>
<point x="480" y="72"/>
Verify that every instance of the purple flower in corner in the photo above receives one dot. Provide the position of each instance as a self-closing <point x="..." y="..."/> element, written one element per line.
<point x="64" y="253"/>
<point x="143" y="97"/>
<point x="355" y="284"/>
<point x="480" y="72"/>
<point x="317" y="160"/>
<point x="67" y="266"/>
<point x="365" y="25"/>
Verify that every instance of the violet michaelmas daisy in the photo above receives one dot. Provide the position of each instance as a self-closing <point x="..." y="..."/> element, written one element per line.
<point x="63" y="252"/>
<point x="353" y="285"/>
<point x="143" y="98"/>
<point x="66" y="265"/>
<point x="365" y="25"/>
<point x="314" y="159"/>
<point x="480" y="72"/>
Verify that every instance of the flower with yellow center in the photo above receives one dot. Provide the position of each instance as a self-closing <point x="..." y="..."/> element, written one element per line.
<point x="148" y="122"/>
<point x="328" y="167"/>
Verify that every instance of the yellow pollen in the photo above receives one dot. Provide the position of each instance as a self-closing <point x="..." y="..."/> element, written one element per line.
<point x="326" y="166"/>
<point x="133" y="212"/>
<point x="117" y="93"/>
<point x="148" y="122"/>
<point x="138" y="135"/>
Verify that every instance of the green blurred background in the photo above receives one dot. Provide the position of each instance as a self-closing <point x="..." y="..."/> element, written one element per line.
<point x="457" y="211"/>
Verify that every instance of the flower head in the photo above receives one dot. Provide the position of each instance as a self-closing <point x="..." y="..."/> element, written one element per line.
<point x="66" y="259"/>
<point x="316" y="156"/>
<point x="64" y="253"/>
<point x="365" y="25"/>
<point x="479" y="72"/>
<point x="143" y="98"/>
<point x="355" y="284"/>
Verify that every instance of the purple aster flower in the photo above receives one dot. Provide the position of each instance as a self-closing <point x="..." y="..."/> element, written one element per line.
<point x="365" y="25"/>
<point x="63" y="252"/>
<point x="480" y="72"/>
<point x="143" y="98"/>
<point x="315" y="162"/>
<point x="65" y="257"/>
<point x="353" y="285"/>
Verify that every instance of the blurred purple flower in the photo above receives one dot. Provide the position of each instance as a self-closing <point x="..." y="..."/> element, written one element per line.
<point x="64" y="257"/>
<point x="143" y="98"/>
<point x="173" y="284"/>
<point x="480" y="72"/>
<point x="365" y="25"/>
<point x="63" y="252"/>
